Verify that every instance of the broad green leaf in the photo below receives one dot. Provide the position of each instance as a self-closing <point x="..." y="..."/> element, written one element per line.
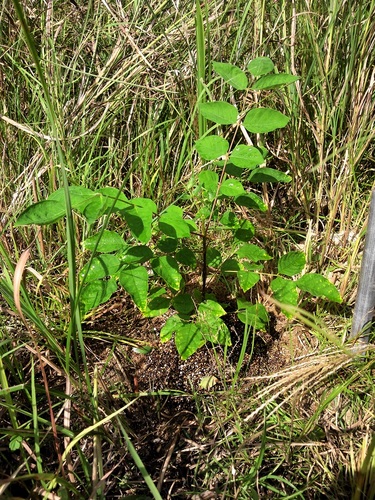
<point x="253" y="315"/>
<point x="167" y="268"/>
<point x="209" y="180"/>
<point x="291" y="263"/>
<point x="231" y="187"/>
<point x="251" y="266"/>
<point x="171" y="326"/>
<point x="268" y="175"/>
<point x="212" y="147"/>
<point x="139" y="215"/>
<point x="172" y="224"/>
<point x="186" y="257"/>
<point x="274" y="81"/>
<point x="219" y="112"/>
<point x="113" y="199"/>
<point x="246" y="156"/>
<point x="245" y="232"/>
<point x="213" y="257"/>
<point x="247" y="279"/>
<point x="211" y="308"/>
<point x="214" y="330"/>
<point x="157" y="304"/>
<point x="135" y="282"/>
<point x="230" y="267"/>
<point x="260" y="66"/>
<point x="105" y="242"/>
<point x="96" y="293"/>
<point x="263" y="120"/>
<point x="188" y="340"/>
<point x="183" y="303"/>
<point x="79" y="197"/>
<point x="318" y="286"/>
<point x="284" y="291"/>
<point x="230" y="219"/>
<point x="167" y="245"/>
<point x="251" y="200"/>
<point x="94" y="209"/>
<point x="43" y="212"/>
<point x="252" y="252"/>
<point x="100" y="267"/>
<point x="136" y="254"/>
<point x="231" y="74"/>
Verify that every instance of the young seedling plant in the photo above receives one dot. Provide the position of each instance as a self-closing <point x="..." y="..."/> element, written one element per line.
<point x="161" y="252"/>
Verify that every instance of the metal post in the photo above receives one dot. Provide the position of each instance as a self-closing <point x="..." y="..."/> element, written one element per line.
<point x="364" y="309"/>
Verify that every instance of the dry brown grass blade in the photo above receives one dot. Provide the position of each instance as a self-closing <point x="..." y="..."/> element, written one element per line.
<point x="17" y="280"/>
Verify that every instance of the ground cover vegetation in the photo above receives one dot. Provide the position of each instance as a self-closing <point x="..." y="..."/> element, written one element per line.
<point x="184" y="198"/>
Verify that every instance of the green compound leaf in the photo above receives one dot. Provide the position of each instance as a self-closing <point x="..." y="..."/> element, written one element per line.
<point x="245" y="232"/>
<point x="231" y="187"/>
<point x="285" y="291"/>
<point x="100" y="267"/>
<point x="274" y="81"/>
<point x="229" y="219"/>
<point x="252" y="315"/>
<point x="252" y="252"/>
<point x="219" y="112"/>
<point x="188" y="339"/>
<point x="209" y="180"/>
<point x="251" y="200"/>
<point x="113" y="199"/>
<point x="210" y="308"/>
<point x="105" y="242"/>
<point x="183" y="303"/>
<point x="96" y="293"/>
<point x="172" y="224"/>
<point x="157" y="304"/>
<point x="186" y="257"/>
<point x="139" y="215"/>
<point x="230" y="267"/>
<point x="263" y="120"/>
<point x="247" y="279"/>
<point x="171" y="326"/>
<point x="260" y="66"/>
<point x="246" y="156"/>
<point x="291" y="263"/>
<point x="213" y="257"/>
<point x="268" y="175"/>
<point x="214" y="330"/>
<point x="135" y="282"/>
<point x="318" y="286"/>
<point x="43" y="212"/>
<point x="167" y="268"/>
<point x="136" y="254"/>
<point x="212" y="147"/>
<point x="231" y="74"/>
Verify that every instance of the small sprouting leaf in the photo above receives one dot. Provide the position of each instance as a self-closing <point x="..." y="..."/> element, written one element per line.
<point x="251" y="200"/>
<point x="231" y="187"/>
<point x="136" y="254"/>
<point x="318" y="286"/>
<point x="188" y="339"/>
<point x="43" y="212"/>
<point x="219" y="112"/>
<point x="252" y="252"/>
<point x="263" y="120"/>
<point x="183" y="303"/>
<point x="212" y="147"/>
<point x="105" y="242"/>
<point x="274" y="81"/>
<point x="213" y="257"/>
<point x="268" y="175"/>
<point x="247" y="279"/>
<point x="144" y="349"/>
<point x="15" y="443"/>
<point x="96" y="293"/>
<point x="167" y="268"/>
<point x="135" y="282"/>
<point x="245" y="232"/>
<point x="138" y="215"/>
<point x="284" y="291"/>
<point x="100" y="267"/>
<point x="246" y="156"/>
<point x="171" y="326"/>
<point x="231" y="74"/>
<point x="260" y="66"/>
<point x="172" y="224"/>
<point x="291" y="263"/>
<point x="186" y="257"/>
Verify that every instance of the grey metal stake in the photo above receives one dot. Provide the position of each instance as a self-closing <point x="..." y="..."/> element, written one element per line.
<point x="365" y="302"/>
